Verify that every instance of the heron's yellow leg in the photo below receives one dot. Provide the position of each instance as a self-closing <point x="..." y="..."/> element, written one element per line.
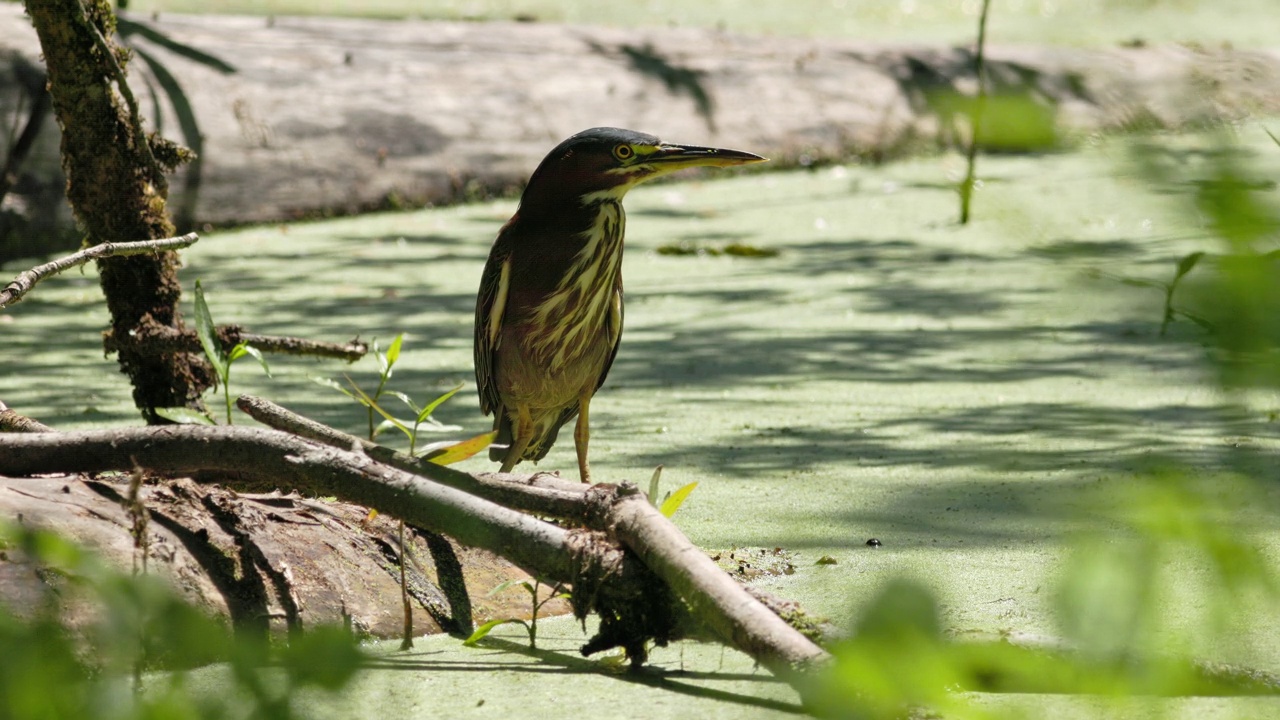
<point x="581" y="436"/>
<point x="523" y="435"/>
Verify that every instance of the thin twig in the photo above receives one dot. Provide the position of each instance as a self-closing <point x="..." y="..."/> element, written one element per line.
<point x="157" y="339"/>
<point x="26" y="280"/>
<point x="406" y="642"/>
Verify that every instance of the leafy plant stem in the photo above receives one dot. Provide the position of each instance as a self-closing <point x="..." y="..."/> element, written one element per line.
<point x="407" y="642"/>
<point x="975" y="122"/>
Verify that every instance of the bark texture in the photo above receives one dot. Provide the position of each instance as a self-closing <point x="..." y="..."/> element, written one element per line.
<point x="268" y="562"/>
<point x="117" y="189"/>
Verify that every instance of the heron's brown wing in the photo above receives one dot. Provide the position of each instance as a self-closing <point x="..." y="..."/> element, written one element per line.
<point x="491" y="305"/>
<point x="613" y="325"/>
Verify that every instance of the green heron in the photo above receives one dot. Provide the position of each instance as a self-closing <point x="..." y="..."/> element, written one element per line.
<point x="549" y="311"/>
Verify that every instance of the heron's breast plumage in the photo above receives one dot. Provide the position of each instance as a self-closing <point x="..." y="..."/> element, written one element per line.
<point x="574" y="316"/>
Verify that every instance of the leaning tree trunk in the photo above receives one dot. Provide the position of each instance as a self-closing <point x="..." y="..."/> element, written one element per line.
<point x="117" y="188"/>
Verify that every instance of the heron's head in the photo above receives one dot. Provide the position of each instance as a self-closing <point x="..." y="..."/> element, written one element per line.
<point x="604" y="163"/>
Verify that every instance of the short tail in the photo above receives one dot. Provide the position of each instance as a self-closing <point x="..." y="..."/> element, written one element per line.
<point x="538" y="447"/>
<point x="501" y="423"/>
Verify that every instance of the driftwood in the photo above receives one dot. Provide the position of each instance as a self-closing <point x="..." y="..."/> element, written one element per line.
<point x="630" y="573"/>
<point x="739" y="618"/>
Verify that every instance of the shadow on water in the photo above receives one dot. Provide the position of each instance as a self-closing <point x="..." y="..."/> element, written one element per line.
<point x="1018" y="464"/>
<point x="358" y="286"/>
<point x="565" y="659"/>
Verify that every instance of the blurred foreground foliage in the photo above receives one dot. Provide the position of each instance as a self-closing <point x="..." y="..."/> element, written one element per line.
<point x="1149" y="607"/>
<point x="122" y="655"/>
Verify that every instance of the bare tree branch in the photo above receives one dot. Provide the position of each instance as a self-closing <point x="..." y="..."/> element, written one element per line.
<point x="636" y="600"/>
<point x="540" y="493"/>
<point x="156" y="339"/>
<point x="21" y="285"/>
<point x="309" y="467"/>
<point x="713" y="596"/>
<point x="11" y="421"/>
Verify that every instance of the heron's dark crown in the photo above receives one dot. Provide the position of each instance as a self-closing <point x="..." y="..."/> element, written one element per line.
<point x="579" y="167"/>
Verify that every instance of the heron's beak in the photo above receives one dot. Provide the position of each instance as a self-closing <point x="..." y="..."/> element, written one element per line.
<point x="669" y="158"/>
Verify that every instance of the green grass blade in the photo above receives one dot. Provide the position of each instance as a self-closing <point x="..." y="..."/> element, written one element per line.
<point x="503" y="586"/>
<point x="205" y="331"/>
<point x="331" y="383"/>
<point x="257" y="355"/>
<point x="431" y="406"/>
<point x="487" y="628"/>
<point x="654" y="484"/>
<point x="369" y="402"/>
<point x="406" y="400"/>
<point x="677" y="498"/>
<point x="463" y="450"/>
<point x="393" y="353"/>
<point x="184" y="416"/>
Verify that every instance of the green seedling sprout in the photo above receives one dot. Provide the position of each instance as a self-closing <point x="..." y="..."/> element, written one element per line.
<point x="531" y="626"/>
<point x="219" y="359"/>
<point x="673" y="500"/>
<point x="442" y="453"/>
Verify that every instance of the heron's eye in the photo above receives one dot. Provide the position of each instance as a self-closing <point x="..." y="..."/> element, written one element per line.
<point x="623" y="152"/>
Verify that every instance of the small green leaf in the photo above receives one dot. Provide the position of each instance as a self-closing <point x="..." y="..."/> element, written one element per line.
<point x="425" y="412"/>
<point x="184" y="416"/>
<point x="389" y="424"/>
<point x="487" y="628"/>
<point x="331" y="383"/>
<point x="462" y="450"/>
<point x="1186" y="264"/>
<point x="208" y="339"/>
<point x="677" y="498"/>
<point x="431" y="425"/>
<point x="257" y="355"/>
<point x="1139" y="282"/>
<point x="393" y="352"/>
<point x="653" y="485"/>
<point x="405" y="399"/>
<point x="503" y="586"/>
